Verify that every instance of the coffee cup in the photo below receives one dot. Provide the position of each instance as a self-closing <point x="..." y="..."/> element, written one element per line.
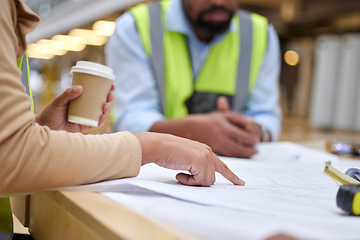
<point x="96" y="80"/>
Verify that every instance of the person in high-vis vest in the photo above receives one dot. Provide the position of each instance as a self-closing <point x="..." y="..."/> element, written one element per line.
<point x="200" y="69"/>
<point x="43" y="151"/>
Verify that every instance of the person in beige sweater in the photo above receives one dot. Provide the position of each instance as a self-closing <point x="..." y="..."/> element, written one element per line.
<point x="46" y="151"/>
<point x="40" y="152"/>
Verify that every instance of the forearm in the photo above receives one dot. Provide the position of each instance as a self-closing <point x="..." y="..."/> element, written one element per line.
<point x="181" y="127"/>
<point x="36" y="158"/>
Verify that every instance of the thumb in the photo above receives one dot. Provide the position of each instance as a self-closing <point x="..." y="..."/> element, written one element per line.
<point x="240" y="119"/>
<point x="187" y="179"/>
<point x="222" y="104"/>
<point x="68" y="95"/>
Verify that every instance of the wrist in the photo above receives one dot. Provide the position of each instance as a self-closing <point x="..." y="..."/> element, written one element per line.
<point x="147" y="141"/>
<point x="265" y="134"/>
<point x="38" y="119"/>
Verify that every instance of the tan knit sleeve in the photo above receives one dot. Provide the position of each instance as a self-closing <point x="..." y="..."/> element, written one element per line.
<point x="26" y="21"/>
<point x="33" y="157"/>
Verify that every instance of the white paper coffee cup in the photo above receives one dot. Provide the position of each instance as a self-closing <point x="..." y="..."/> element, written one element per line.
<point x="96" y="80"/>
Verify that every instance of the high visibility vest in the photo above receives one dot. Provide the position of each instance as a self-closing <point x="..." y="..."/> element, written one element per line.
<point x="231" y="69"/>
<point x="6" y="219"/>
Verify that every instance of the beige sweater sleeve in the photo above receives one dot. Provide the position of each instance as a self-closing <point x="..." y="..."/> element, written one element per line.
<point x="33" y="157"/>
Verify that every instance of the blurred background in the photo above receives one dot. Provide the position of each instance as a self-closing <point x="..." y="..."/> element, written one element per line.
<point x="320" y="44"/>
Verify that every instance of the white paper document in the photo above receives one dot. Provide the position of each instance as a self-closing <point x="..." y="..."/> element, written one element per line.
<point x="286" y="192"/>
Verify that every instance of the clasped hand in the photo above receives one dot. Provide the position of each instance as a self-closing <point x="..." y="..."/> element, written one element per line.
<point x="227" y="133"/>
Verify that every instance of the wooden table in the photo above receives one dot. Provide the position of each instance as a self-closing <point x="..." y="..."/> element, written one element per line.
<point x="89" y="215"/>
<point x="61" y="215"/>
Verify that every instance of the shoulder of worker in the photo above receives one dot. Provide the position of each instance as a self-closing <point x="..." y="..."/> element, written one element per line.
<point x="23" y="18"/>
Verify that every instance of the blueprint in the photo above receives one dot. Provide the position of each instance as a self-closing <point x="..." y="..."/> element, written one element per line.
<point x="286" y="192"/>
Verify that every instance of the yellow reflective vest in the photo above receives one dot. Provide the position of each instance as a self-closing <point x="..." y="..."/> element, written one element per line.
<point x="231" y="68"/>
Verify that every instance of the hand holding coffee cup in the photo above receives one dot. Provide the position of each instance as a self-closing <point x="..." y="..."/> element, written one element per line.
<point x="96" y="80"/>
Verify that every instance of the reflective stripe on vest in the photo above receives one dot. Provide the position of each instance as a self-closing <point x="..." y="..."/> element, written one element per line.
<point x="6" y="218"/>
<point x="157" y="59"/>
<point x="26" y="77"/>
<point x="236" y="79"/>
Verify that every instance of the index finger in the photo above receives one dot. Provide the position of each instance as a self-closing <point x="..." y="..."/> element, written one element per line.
<point x="224" y="170"/>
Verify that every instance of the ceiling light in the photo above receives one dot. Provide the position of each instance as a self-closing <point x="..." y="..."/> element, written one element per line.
<point x="104" y="28"/>
<point x="292" y="58"/>
<point x="90" y="36"/>
<point x="72" y="43"/>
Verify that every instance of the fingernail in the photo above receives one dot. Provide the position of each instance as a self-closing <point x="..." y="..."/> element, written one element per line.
<point x="76" y="88"/>
<point x="241" y="182"/>
<point x="250" y="119"/>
